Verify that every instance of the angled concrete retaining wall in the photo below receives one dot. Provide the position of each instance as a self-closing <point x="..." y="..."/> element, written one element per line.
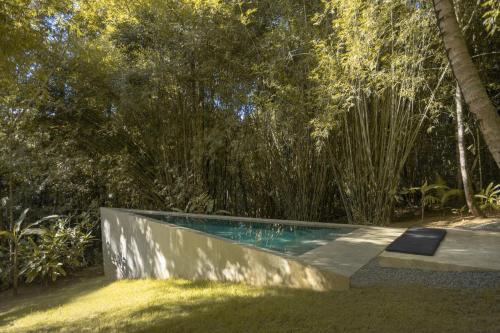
<point x="138" y="247"/>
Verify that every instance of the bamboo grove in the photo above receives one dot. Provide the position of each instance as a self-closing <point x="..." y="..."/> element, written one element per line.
<point x="309" y="110"/>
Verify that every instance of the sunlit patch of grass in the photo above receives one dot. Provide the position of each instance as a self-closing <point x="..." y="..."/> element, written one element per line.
<point x="186" y="306"/>
<point x="99" y="305"/>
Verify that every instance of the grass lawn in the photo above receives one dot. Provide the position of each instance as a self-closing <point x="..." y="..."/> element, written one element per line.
<point x="96" y="304"/>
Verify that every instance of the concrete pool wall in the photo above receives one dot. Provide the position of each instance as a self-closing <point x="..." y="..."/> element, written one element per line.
<point x="135" y="246"/>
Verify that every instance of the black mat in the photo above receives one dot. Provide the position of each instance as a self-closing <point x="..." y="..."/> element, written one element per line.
<point x="423" y="241"/>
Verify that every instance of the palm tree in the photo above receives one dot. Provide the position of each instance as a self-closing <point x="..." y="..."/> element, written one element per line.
<point x="467" y="76"/>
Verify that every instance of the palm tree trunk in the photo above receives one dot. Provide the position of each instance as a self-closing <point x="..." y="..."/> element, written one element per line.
<point x="462" y="157"/>
<point x="467" y="76"/>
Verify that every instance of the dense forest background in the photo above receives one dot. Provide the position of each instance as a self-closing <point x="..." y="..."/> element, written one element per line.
<point x="311" y="110"/>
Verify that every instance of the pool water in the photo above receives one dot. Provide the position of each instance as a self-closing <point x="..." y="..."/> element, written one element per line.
<point x="285" y="238"/>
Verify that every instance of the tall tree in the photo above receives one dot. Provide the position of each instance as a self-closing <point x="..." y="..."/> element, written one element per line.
<point x="467" y="76"/>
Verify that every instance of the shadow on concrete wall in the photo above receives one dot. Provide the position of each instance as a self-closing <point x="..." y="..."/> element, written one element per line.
<point x="138" y="247"/>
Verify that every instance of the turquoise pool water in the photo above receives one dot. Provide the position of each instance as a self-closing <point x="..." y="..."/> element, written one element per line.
<point x="285" y="238"/>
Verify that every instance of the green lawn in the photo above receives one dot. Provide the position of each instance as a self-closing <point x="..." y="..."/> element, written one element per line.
<point x="96" y="304"/>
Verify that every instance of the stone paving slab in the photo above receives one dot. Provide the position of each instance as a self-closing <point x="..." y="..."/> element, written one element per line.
<point x="459" y="251"/>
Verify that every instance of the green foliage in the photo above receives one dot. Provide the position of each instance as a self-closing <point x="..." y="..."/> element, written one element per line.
<point x="201" y="204"/>
<point x="448" y="194"/>
<point x="45" y="252"/>
<point x="370" y="75"/>
<point x="460" y="211"/>
<point x="489" y="197"/>
<point x="293" y="109"/>
<point x="59" y="248"/>
<point x="18" y="231"/>
<point x="437" y="194"/>
<point x="491" y="16"/>
<point x="427" y="198"/>
<point x="445" y="193"/>
<point x="16" y="235"/>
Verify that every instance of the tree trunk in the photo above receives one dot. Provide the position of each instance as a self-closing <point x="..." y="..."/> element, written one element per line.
<point x="467" y="76"/>
<point x="10" y="206"/>
<point x="15" y="273"/>
<point x="2" y="226"/>
<point x="12" y="245"/>
<point x="423" y="207"/>
<point x="460" y="183"/>
<point x="462" y="157"/>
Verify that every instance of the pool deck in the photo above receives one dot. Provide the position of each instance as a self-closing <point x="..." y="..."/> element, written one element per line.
<point x="347" y="254"/>
<point x="460" y="250"/>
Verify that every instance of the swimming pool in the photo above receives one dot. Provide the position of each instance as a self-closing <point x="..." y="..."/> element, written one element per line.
<point x="284" y="238"/>
<point x="153" y="244"/>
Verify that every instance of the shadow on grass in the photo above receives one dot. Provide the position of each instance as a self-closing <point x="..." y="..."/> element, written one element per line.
<point x="287" y="310"/>
<point x="26" y="304"/>
<point x="369" y="310"/>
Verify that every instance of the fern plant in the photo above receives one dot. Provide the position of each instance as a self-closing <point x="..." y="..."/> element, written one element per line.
<point x="489" y="198"/>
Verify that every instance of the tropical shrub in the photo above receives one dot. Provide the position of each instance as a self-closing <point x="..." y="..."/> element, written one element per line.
<point x="16" y="236"/>
<point x="44" y="252"/>
<point x="60" y="247"/>
<point x="489" y="198"/>
<point x="428" y="195"/>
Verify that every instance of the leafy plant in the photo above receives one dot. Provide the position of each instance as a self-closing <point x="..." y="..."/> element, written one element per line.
<point x="201" y="204"/>
<point x="427" y="198"/>
<point x="489" y="198"/>
<point x="16" y="235"/>
<point x="445" y="193"/>
<point x="491" y="16"/>
<point x="60" y="247"/>
<point x="460" y="211"/>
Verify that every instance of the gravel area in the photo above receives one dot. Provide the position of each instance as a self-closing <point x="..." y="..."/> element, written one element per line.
<point x="373" y="274"/>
